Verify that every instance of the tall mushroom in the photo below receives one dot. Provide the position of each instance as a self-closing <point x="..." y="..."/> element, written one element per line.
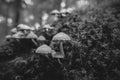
<point x="61" y="37"/>
<point x="44" y="50"/>
<point x="32" y="36"/>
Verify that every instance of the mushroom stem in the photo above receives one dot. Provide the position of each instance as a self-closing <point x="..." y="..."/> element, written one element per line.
<point x="59" y="61"/>
<point x="61" y="49"/>
<point x="51" y="45"/>
<point x="62" y="52"/>
<point x="34" y="42"/>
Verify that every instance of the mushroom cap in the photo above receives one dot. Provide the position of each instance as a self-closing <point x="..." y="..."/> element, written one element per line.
<point x="70" y="10"/>
<point x="23" y="27"/>
<point x="47" y="26"/>
<point x="31" y="35"/>
<point x="44" y="49"/>
<point x="8" y="36"/>
<point x="63" y="11"/>
<point x="18" y="35"/>
<point x="41" y="38"/>
<point x="32" y="28"/>
<point x="61" y="36"/>
<point x="13" y="30"/>
<point x="55" y="12"/>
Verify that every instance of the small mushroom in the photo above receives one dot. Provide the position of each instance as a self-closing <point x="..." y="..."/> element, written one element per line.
<point x="63" y="12"/>
<point x="18" y="35"/>
<point x="44" y="50"/>
<point x="61" y="37"/>
<point x="8" y="36"/>
<point x="13" y="31"/>
<point x="24" y="28"/>
<point x="47" y="27"/>
<point x="70" y="9"/>
<point x="41" y="39"/>
<point x="55" y="12"/>
<point x="32" y="36"/>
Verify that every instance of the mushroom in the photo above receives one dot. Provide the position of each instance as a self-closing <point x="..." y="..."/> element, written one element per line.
<point x="55" y="12"/>
<point x="23" y="27"/>
<point x="70" y="9"/>
<point x="47" y="27"/>
<point x="44" y="50"/>
<point x="26" y="29"/>
<point x="63" y="12"/>
<point x="53" y="17"/>
<point x="32" y="36"/>
<point x="18" y="35"/>
<point x="41" y="39"/>
<point x="13" y="30"/>
<point x="60" y="37"/>
<point x="8" y="36"/>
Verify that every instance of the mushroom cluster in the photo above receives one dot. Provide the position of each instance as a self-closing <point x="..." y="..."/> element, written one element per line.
<point x="19" y="32"/>
<point x="58" y="39"/>
<point x="25" y="33"/>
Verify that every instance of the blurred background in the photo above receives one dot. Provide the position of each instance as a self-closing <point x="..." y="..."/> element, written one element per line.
<point x="30" y="12"/>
